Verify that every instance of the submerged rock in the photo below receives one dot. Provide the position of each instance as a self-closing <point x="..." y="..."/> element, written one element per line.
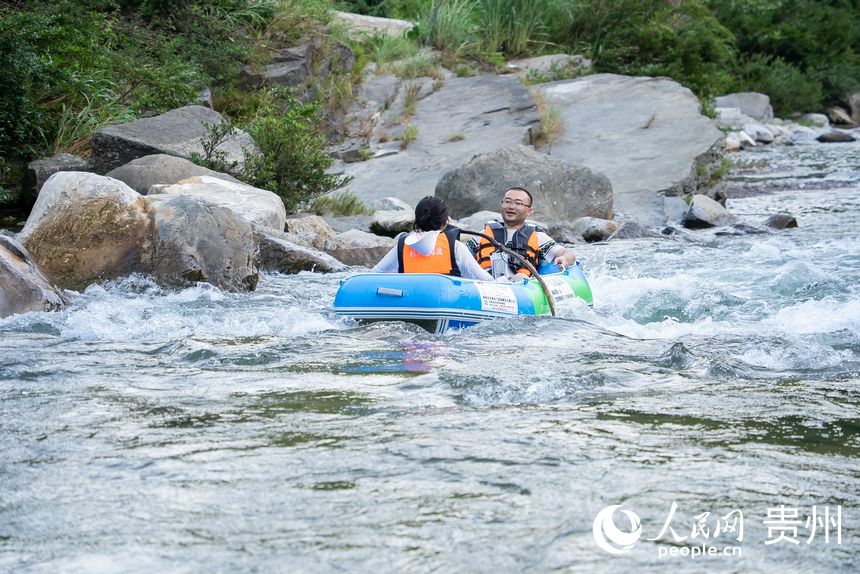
<point x="781" y="221"/>
<point x="836" y="136"/>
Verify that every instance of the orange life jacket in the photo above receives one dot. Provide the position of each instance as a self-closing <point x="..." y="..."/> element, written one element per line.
<point x="442" y="259"/>
<point x="524" y="242"/>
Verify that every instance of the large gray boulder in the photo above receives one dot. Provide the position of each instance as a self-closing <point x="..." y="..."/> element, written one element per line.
<point x="752" y="104"/>
<point x="86" y="228"/>
<point x="177" y="132"/>
<point x="259" y="206"/>
<point x="467" y="116"/>
<point x="23" y="287"/>
<point x="646" y="134"/>
<point x="161" y="169"/>
<point x="561" y="191"/>
<point x="194" y="240"/>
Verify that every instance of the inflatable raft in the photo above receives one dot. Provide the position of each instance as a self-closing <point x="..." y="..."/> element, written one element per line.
<point x="441" y="302"/>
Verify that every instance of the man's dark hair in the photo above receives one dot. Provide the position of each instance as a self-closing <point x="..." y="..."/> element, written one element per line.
<point x="518" y="188"/>
<point x="431" y="213"/>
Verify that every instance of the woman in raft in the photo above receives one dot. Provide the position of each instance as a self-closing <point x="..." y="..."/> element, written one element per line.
<point x="432" y="247"/>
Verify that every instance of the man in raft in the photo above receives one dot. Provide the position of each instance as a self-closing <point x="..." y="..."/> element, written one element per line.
<point x="513" y="232"/>
<point x="432" y="247"/>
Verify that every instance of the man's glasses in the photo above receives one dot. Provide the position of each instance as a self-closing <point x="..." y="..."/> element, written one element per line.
<point x="515" y="203"/>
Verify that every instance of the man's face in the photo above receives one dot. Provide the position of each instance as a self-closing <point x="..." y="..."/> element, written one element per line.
<point x="516" y="208"/>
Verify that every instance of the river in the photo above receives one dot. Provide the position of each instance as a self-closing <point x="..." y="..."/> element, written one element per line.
<point x="711" y="387"/>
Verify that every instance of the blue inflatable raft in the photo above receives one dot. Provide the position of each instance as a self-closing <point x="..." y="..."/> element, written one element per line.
<point x="440" y="302"/>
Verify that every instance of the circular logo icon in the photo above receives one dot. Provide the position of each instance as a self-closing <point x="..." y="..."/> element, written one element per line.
<point x="609" y="537"/>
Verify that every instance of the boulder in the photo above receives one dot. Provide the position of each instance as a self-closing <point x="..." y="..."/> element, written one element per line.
<point x="594" y="229"/>
<point x="391" y="223"/>
<point x="177" y="132"/>
<point x="836" y="136"/>
<point x="561" y="191"/>
<point x="802" y="134"/>
<point x="630" y="230"/>
<point x="752" y="104"/>
<point x="758" y="132"/>
<point x="483" y="112"/>
<point x="854" y="103"/>
<point x="40" y="170"/>
<point x="781" y="221"/>
<point x="310" y="230"/>
<point x="144" y="172"/>
<point x="839" y="116"/>
<point x="86" y="228"/>
<point x="358" y="247"/>
<point x="360" y="24"/>
<point x="258" y="206"/>
<point x="733" y="141"/>
<point x="705" y="212"/>
<point x="817" y="120"/>
<point x="647" y="135"/>
<point x="194" y="240"/>
<point x="278" y="253"/>
<point x="23" y="287"/>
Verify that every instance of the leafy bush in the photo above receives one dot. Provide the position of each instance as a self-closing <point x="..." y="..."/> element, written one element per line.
<point x="292" y="160"/>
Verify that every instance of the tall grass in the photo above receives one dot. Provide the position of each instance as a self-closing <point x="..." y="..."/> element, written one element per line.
<point x="449" y="26"/>
<point x="511" y="26"/>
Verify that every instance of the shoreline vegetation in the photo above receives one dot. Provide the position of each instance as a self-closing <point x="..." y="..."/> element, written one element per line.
<point x="70" y="67"/>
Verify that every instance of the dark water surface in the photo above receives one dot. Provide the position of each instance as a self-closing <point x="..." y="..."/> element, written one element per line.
<point x="144" y="430"/>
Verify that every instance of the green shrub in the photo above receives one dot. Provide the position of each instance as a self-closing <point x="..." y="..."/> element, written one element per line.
<point x="292" y="160"/>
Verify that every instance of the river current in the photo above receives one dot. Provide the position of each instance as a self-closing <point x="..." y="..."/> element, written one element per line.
<point x="710" y="392"/>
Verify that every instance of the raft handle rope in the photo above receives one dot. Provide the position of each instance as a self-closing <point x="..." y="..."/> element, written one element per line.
<point x="522" y="259"/>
